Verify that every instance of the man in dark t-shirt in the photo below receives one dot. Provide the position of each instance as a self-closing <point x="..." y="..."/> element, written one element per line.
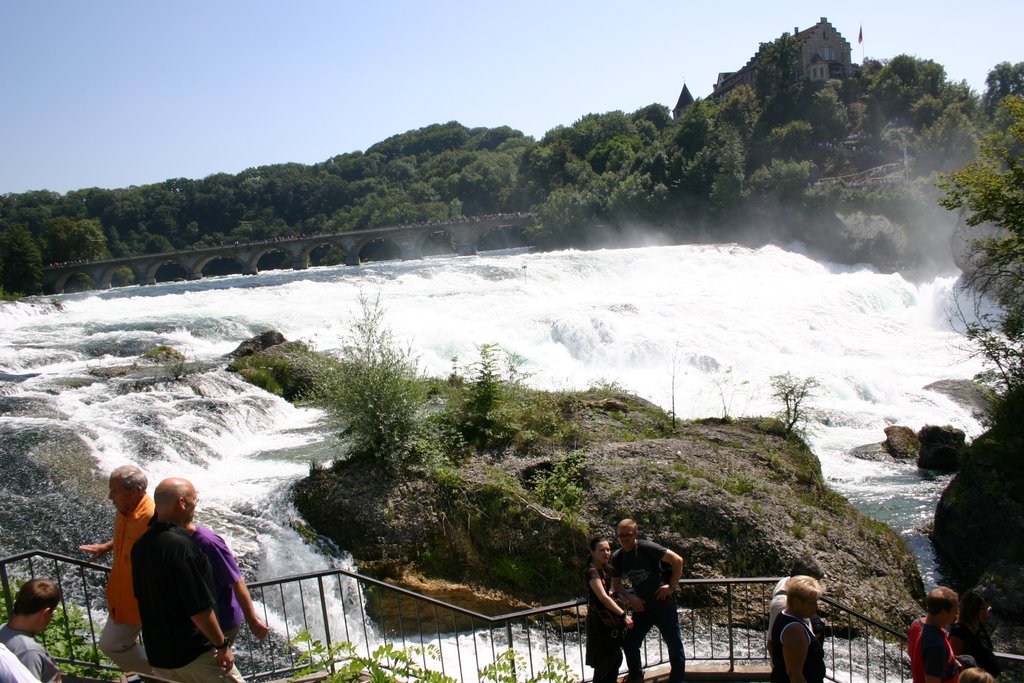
<point x="174" y="586"/>
<point x="645" y="576"/>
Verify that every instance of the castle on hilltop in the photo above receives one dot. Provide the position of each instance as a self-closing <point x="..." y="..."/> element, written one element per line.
<point x="825" y="54"/>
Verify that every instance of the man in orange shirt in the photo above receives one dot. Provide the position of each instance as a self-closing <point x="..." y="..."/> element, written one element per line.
<point x="120" y="637"/>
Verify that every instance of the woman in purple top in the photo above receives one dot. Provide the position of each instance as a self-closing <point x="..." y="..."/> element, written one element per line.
<point x="230" y="592"/>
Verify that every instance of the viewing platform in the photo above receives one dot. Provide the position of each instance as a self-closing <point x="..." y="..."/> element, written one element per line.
<point x="723" y="623"/>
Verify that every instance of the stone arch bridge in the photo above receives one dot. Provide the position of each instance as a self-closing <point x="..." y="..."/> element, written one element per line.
<point x="466" y="234"/>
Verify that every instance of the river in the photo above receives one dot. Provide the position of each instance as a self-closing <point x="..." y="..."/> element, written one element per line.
<point x="715" y="322"/>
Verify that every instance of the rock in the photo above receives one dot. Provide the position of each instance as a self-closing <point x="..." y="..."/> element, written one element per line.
<point x="288" y="369"/>
<point x="871" y="451"/>
<point x="964" y="392"/>
<point x="901" y="442"/>
<point x="733" y="499"/>
<point x="979" y="530"/>
<point x="261" y="342"/>
<point x="940" y="448"/>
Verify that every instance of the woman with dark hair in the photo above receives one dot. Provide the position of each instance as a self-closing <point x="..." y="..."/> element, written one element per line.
<point x="968" y="636"/>
<point x="607" y="621"/>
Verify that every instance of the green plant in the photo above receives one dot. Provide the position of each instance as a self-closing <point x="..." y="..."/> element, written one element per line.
<point x="173" y="362"/>
<point x="341" y="663"/>
<point x="373" y="392"/>
<point x="794" y="393"/>
<point x="561" y="487"/>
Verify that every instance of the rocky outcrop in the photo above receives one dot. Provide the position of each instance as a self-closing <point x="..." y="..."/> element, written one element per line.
<point x="933" y="448"/>
<point x="268" y="360"/>
<point x="735" y="499"/>
<point x="901" y="442"/>
<point x="261" y="342"/>
<point x="965" y="392"/>
<point x="940" y="448"/>
<point x="979" y="529"/>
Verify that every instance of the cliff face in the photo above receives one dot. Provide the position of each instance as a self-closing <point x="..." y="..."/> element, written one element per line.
<point x="734" y="499"/>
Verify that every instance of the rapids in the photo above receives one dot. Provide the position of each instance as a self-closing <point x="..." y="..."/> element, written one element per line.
<point x="712" y="322"/>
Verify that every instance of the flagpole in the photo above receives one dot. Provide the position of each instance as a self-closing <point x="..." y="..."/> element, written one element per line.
<point x="860" y="39"/>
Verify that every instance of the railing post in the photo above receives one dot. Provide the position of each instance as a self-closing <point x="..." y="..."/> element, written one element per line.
<point x="512" y="660"/>
<point x="729" y="626"/>
<point x="8" y="601"/>
<point x="327" y="623"/>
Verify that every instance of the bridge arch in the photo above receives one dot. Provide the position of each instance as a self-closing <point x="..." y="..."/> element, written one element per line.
<point x="328" y="252"/>
<point x="159" y="264"/>
<point x="223" y="264"/>
<point x="77" y="281"/>
<point x="379" y="249"/>
<point x="440" y="242"/>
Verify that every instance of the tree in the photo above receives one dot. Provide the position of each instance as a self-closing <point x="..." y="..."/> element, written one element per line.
<point x="991" y="190"/>
<point x="21" y="264"/>
<point x="71" y="240"/>
<point x="793" y="392"/>
<point x="1003" y="80"/>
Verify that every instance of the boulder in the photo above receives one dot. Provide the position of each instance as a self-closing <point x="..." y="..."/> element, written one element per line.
<point x="261" y="342"/>
<point x="901" y="442"/>
<point x="940" y="448"/>
<point x="871" y="451"/>
<point x="964" y="392"/>
<point x="979" y="531"/>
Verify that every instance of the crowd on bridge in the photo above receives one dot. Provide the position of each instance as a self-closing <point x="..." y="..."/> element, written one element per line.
<point x="455" y="220"/>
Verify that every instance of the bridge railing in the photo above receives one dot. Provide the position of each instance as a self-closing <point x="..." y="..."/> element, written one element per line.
<point x="723" y="624"/>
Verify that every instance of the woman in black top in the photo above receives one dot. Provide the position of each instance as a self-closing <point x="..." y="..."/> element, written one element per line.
<point x="607" y="621"/>
<point x="968" y="636"/>
<point x="796" y="653"/>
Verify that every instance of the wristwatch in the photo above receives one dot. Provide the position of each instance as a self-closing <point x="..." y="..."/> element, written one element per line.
<point x="223" y="646"/>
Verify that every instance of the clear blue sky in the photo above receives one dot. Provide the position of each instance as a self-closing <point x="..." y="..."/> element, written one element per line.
<point x="111" y="93"/>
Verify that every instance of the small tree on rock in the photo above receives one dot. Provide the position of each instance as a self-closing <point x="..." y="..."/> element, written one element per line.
<point x="794" y="393"/>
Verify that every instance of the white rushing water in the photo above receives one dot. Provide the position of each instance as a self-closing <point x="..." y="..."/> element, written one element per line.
<point x="721" y="319"/>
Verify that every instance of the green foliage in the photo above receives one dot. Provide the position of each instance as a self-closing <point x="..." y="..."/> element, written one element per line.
<point x="288" y="372"/>
<point x="342" y="663"/>
<point x="72" y="240"/>
<point x="989" y="190"/>
<point x="21" y="264"/>
<point x="1003" y="80"/>
<point x="561" y="487"/>
<point x="491" y="408"/>
<point x="794" y="393"/>
<point x="373" y="393"/>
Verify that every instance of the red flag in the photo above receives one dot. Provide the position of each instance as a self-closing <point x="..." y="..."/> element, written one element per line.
<point x="860" y="36"/>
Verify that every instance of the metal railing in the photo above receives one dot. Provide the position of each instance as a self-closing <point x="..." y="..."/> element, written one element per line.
<point x="723" y="623"/>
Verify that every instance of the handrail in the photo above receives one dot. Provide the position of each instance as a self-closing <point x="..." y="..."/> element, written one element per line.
<point x="722" y="620"/>
<point x="419" y="596"/>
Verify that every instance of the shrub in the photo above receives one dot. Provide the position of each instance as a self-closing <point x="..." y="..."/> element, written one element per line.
<point x="373" y="392"/>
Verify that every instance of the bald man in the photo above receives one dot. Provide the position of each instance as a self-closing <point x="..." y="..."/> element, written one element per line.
<point x="174" y="586"/>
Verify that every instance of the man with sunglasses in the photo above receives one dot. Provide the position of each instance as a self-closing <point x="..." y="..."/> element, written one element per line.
<point x="652" y="573"/>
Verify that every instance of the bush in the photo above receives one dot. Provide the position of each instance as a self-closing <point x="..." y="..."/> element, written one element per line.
<point x="373" y="392"/>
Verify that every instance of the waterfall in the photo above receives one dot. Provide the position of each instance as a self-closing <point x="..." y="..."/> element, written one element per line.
<point x="720" y="320"/>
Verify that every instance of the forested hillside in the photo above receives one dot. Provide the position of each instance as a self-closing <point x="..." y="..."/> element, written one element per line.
<point x="756" y="165"/>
